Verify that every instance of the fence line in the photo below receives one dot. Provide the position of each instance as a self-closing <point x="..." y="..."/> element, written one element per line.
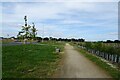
<point x="114" y="58"/>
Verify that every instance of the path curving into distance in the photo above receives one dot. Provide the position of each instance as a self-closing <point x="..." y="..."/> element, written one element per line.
<point x="75" y="65"/>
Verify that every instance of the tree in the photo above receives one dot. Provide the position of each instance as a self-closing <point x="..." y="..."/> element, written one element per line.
<point x="34" y="31"/>
<point x="116" y="41"/>
<point x="46" y="39"/>
<point x="109" y="41"/>
<point x="27" y="31"/>
<point x="20" y="36"/>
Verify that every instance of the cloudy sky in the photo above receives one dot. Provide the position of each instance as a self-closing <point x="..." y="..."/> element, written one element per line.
<point x="71" y="19"/>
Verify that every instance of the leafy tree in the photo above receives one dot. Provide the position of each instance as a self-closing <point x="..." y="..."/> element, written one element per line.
<point x="34" y="31"/>
<point x="27" y="31"/>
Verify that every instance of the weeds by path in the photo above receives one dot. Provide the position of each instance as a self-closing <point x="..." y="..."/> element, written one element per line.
<point x="115" y="73"/>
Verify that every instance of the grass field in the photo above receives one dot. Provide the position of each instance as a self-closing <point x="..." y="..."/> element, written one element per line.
<point x="30" y="61"/>
<point x="115" y="73"/>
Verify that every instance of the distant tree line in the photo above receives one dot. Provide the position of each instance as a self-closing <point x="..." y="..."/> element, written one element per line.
<point x="60" y="39"/>
<point x="110" y="41"/>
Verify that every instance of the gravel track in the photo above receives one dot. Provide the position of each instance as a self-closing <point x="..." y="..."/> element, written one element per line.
<point x="75" y="65"/>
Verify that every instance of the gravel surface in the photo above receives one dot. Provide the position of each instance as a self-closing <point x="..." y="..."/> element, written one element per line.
<point x="75" y="65"/>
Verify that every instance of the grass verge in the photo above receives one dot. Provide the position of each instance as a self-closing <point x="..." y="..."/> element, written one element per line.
<point x="29" y="61"/>
<point x="115" y="73"/>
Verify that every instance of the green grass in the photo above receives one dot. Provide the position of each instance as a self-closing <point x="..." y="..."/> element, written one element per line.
<point x="29" y="61"/>
<point x="112" y="71"/>
<point x="55" y="44"/>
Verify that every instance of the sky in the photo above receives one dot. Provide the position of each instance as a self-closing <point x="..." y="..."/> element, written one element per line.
<point x="93" y="21"/>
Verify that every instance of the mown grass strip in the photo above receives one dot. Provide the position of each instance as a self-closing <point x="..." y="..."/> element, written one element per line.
<point x="29" y="61"/>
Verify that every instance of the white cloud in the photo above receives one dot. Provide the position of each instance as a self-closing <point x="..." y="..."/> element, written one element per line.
<point x="35" y="11"/>
<point x="41" y="11"/>
<point x="113" y="33"/>
<point x="86" y="14"/>
<point x="71" y="22"/>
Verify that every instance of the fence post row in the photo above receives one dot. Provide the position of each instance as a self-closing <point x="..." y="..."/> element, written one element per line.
<point x="110" y="57"/>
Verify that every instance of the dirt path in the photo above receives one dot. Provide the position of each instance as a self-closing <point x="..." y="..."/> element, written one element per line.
<point x="76" y="65"/>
